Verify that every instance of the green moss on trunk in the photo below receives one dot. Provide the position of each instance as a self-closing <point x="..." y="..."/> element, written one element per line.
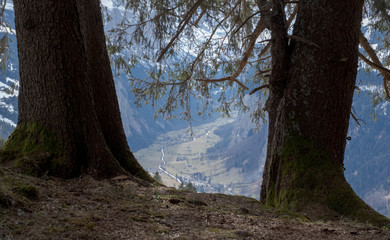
<point x="309" y="181"/>
<point x="34" y="151"/>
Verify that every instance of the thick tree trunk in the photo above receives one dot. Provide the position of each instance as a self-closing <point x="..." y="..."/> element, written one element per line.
<point x="103" y="87"/>
<point x="312" y="86"/>
<point x="59" y="129"/>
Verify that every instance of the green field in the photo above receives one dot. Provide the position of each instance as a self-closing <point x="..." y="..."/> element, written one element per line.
<point x="186" y="155"/>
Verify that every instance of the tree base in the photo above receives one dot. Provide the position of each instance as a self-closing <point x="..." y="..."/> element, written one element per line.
<point x="307" y="181"/>
<point x="33" y="150"/>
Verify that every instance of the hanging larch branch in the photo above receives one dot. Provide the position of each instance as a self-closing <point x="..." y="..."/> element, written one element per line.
<point x="182" y="25"/>
<point x="256" y="33"/>
<point x="207" y="43"/>
<point x="259" y="88"/>
<point x="200" y="17"/>
<point x="301" y="39"/>
<point x="375" y="63"/>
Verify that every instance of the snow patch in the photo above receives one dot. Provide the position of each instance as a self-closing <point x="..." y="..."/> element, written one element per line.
<point x="9" y="5"/>
<point x="370" y="88"/>
<point x="9" y="90"/>
<point x="6" y="120"/>
<point x="9" y="107"/>
<point x="7" y="30"/>
<point x="108" y="4"/>
<point x="365" y="22"/>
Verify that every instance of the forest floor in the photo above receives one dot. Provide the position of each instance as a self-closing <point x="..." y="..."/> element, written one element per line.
<point x="120" y="208"/>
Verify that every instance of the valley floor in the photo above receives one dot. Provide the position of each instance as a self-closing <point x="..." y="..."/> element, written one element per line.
<point x="121" y="208"/>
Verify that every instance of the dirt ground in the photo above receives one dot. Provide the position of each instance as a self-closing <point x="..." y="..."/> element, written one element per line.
<point x="120" y="208"/>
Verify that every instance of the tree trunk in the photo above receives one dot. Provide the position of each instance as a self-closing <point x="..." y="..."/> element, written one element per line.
<point x="103" y="87"/>
<point x="311" y="90"/>
<point x="60" y="131"/>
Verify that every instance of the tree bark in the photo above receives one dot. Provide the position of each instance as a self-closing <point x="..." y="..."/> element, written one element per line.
<point x="311" y="90"/>
<point x="60" y="129"/>
<point x="103" y="87"/>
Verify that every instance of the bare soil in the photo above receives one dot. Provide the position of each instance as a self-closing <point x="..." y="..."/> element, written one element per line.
<point x="122" y="208"/>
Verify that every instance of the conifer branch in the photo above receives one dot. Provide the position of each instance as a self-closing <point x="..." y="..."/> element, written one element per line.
<point x="123" y="30"/>
<point x="375" y="63"/>
<point x="304" y="40"/>
<point x="3" y="8"/>
<point x="357" y="120"/>
<point x="222" y="80"/>
<point x="372" y="64"/>
<point x="264" y="50"/>
<point x="256" y="33"/>
<point x="259" y="88"/>
<point x="206" y="44"/>
<point x="200" y="17"/>
<point x="246" y="20"/>
<point x="182" y="25"/>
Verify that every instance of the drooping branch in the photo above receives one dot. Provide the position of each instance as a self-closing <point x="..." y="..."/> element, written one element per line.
<point x="356" y="120"/>
<point x="261" y="25"/>
<point x="246" y="20"/>
<point x="261" y="59"/>
<point x="256" y="33"/>
<point x="182" y="25"/>
<point x="259" y="88"/>
<point x="200" y="17"/>
<point x="3" y="8"/>
<point x="264" y="50"/>
<point x="222" y="80"/>
<point x="207" y="43"/>
<point x="372" y="64"/>
<point x="382" y="6"/>
<point x="166" y="11"/>
<point x="200" y="54"/>
<point x="375" y="63"/>
<point x="301" y="39"/>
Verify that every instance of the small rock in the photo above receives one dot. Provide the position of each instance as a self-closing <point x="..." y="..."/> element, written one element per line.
<point x="197" y="203"/>
<point x="174" y="201"/>
<point x="243" y="233"/>
<point x="328" y="230"/>
<point x="244" y="210"/>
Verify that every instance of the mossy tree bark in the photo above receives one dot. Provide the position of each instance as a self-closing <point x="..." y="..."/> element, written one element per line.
<point x="311" y="90"/>
<point x="69" y="120"/>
